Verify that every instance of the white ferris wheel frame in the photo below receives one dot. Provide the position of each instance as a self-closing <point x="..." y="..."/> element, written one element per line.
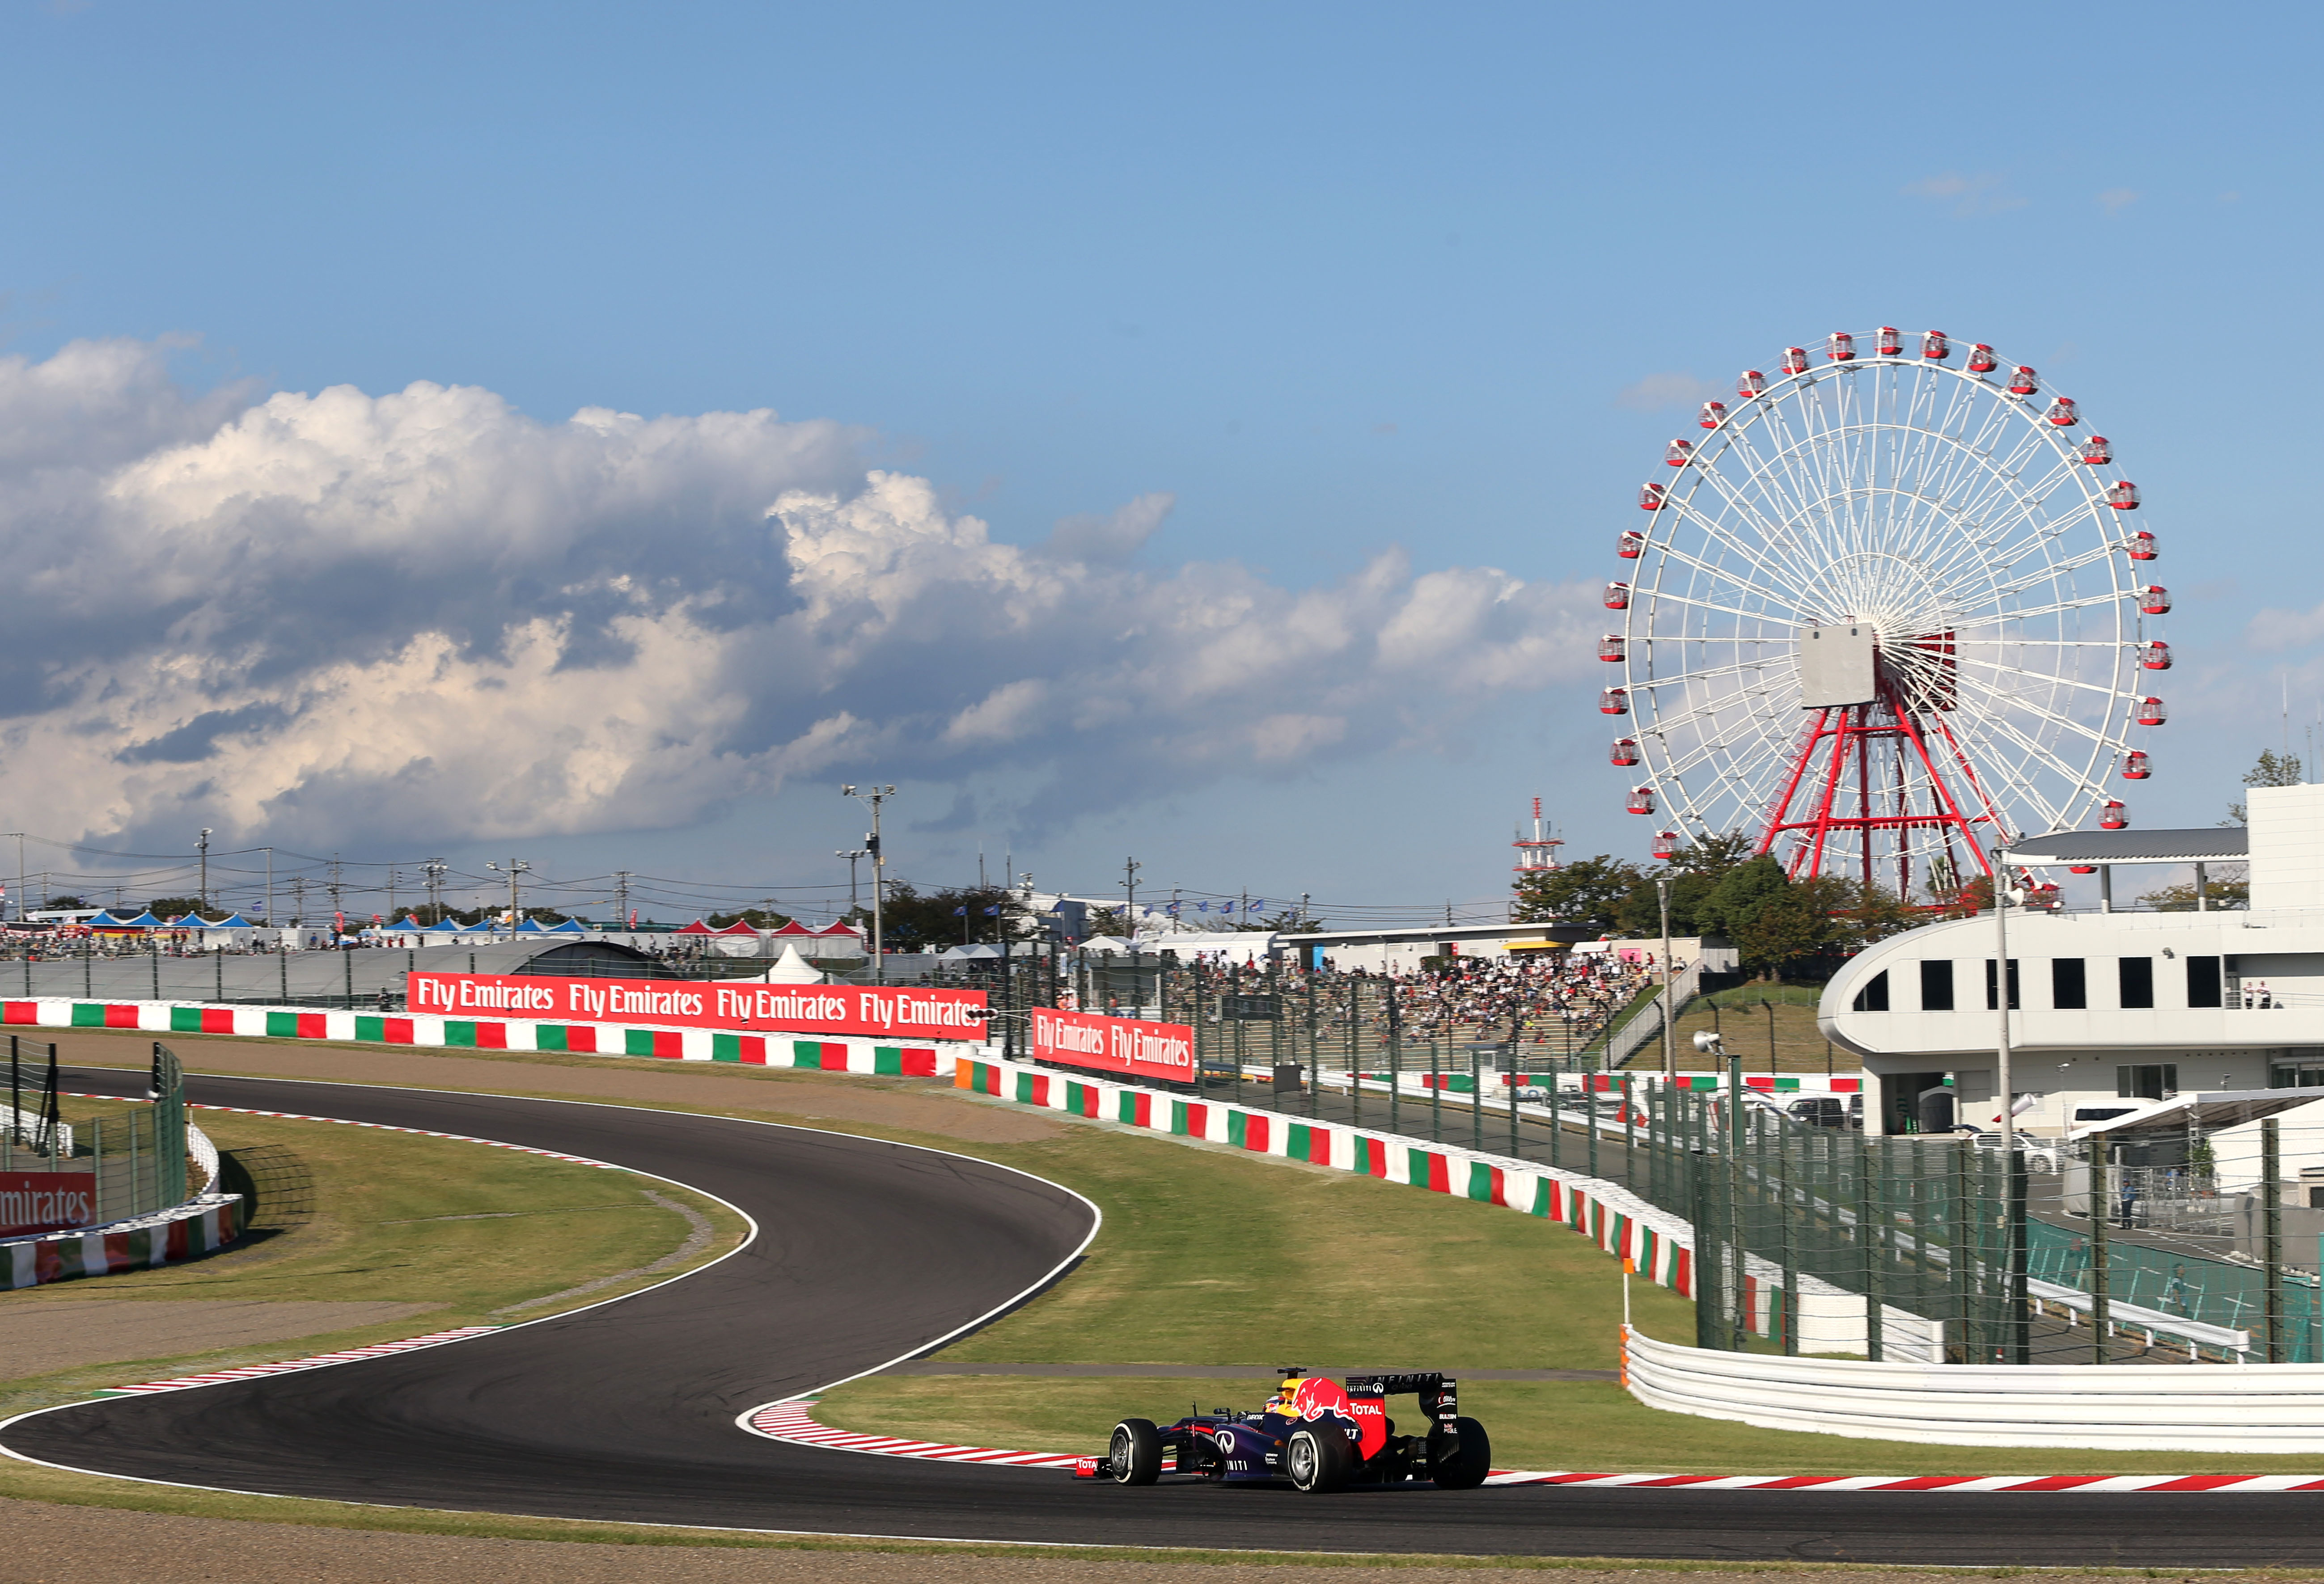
<point x="1815" y="502"/>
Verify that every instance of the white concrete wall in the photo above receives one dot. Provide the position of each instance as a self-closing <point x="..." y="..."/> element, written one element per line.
<point x="2287" y="846"/>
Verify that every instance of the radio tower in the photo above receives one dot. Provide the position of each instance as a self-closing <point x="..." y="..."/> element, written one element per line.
<point x="1538" y="854"/>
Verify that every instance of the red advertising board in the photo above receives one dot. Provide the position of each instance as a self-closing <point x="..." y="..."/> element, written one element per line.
<point x="47" y="1202"/>
<point x="1115" y="1045"/>
<point x="881" y="1011"/>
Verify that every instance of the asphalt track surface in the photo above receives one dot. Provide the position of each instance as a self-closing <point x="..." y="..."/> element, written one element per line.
<point x="867" y="1250"/>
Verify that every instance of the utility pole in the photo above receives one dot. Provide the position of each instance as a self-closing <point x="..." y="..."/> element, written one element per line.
<point x="392" y="877"/>
<point x="202" y="887"/>
<point x="515" y="866"/>
<point x="1130" y="868"/>
<point x="297" y="900"/>
<point x="434" y="868"/>
<point x="2002" y="898"/>
<point x="854" y="903"/>
<point x="622" y="898"/>
<point x="334" y="886"/>
<point x="270" y="887"/>
<point x="874" y="797"/>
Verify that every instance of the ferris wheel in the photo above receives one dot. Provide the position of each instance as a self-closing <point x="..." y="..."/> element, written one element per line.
<point x="1887" y="612"/>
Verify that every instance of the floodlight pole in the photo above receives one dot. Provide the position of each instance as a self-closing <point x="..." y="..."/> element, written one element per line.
<point x="202" y="887"/>
<point x="515" y="866"/>
<point x="875" y="797"/>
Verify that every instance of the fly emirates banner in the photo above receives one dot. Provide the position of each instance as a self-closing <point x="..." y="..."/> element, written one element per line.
<point x="881" y="1011"/>
<point x="1115" y="1045"/>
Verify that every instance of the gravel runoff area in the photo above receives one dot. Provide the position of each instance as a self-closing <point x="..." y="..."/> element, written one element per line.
<point x="102" y="1545"/>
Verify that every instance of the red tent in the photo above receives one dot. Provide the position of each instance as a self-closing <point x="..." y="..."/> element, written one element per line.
<point x="696" y="928"/>
<point x="794" y="928"/>
<point x="839" y="929"/>
<point x="741" y="926"/>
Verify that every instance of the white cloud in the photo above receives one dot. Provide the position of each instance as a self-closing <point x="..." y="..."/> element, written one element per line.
<point x="2272" y="629"/>
<point x="341" y="617"/>
<point x="1969" y="195"/>
<point x="2115" y="199"/>
<point x="1658" y="392"/>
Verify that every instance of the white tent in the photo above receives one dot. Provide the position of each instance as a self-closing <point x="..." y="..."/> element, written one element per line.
<point x="791" y="968"/>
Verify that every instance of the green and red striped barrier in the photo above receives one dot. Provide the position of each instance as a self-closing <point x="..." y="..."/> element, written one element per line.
<point x="191" y="1229"/>
<point x="430" y="1031"/>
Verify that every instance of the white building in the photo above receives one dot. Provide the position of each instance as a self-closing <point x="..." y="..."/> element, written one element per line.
<point x="2108" y="1005"/>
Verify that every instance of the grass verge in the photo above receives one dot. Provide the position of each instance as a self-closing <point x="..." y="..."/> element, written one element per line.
<point x="471" y="1234"/>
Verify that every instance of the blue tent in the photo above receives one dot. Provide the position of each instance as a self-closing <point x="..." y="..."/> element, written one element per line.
<point x="231" y="921"/>
<point x="142" y="921"/>
<point x="570" y="927"/>
<point x="531" y="926"/>
<point x="103" y="920"/>
<point x="447" y="926"/>
<point x="407" y="923"/>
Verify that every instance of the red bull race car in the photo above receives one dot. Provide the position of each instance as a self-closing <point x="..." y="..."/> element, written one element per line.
<point x="1314" y="1434"/>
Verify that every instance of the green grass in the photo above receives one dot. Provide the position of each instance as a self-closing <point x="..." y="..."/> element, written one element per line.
<point x="383" y="1230"/>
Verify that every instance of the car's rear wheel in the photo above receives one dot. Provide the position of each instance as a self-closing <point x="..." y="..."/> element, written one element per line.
<point x="1318" y="1458"/>
<point x="1135" y="1453"/>
<point x="1464" y="1467"/>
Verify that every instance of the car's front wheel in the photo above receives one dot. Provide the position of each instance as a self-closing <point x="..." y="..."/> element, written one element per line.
<point x="1135" y="1454"/>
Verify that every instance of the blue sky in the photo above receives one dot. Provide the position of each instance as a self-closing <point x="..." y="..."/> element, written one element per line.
<point x="1335" y="279"/>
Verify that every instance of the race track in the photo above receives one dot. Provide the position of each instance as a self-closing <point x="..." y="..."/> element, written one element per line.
<point x="868" y="1250"/>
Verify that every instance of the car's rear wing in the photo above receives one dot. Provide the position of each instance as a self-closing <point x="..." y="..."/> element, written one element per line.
<point x="1439" y="1394"/>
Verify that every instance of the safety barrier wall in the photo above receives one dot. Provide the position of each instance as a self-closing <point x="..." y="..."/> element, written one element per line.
<point x="855" y="1055"/>
<point x="181" y="1232"/>
<point x="2114" y="1407"/>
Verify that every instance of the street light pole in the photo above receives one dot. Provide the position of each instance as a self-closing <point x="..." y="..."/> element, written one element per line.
<point x="202" y="887"/>
<point x="2002" y="897"/>
<point x="875" y="796"/>
<point x="854" y="905"/>
<point x="1670" y="1013"/>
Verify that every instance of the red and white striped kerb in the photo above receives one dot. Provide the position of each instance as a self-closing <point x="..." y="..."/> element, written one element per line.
<point x="291" y="1365"/>
<point x="792" y="1422"/>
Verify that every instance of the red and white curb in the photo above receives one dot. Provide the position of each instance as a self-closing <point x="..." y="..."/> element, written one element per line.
<point x="293" y="1365"/>
<point x="792" y="1422"/>
<point x="795" y="1422"/>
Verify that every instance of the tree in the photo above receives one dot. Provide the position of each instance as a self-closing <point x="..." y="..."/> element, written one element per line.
<point x="2271" y="769"/>
<point x="913" y="920"/>
<point x="64" y="902"/>
<point x="1586" y="891"/>
<point x="756" y="917"/>
<point x="2181" y="898"/>
<point x="173" y="906"/>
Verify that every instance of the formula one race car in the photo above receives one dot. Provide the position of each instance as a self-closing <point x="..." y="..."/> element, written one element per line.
<point x="1311" y="1432"/>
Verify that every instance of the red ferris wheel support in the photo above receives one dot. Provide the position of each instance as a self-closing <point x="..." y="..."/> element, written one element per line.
<point x="1892" y="766"/>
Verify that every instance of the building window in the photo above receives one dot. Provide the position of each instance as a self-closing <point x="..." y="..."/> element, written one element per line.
<point x="1990" y="1004"/>
<point x="2067" y="990"/>
<point x="2137" y="981"/>
<point x="1937" y="987"/>
<point x="2203" y="981"/>
<point x="2158" y="1080"/>
<point x="1873" y="996"/>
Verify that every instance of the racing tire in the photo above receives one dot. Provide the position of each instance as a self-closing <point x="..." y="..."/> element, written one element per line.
<point x="1319" y="1458"/>
<point x="1135" y="1453"/>
<point x="1462" y="1470"/>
